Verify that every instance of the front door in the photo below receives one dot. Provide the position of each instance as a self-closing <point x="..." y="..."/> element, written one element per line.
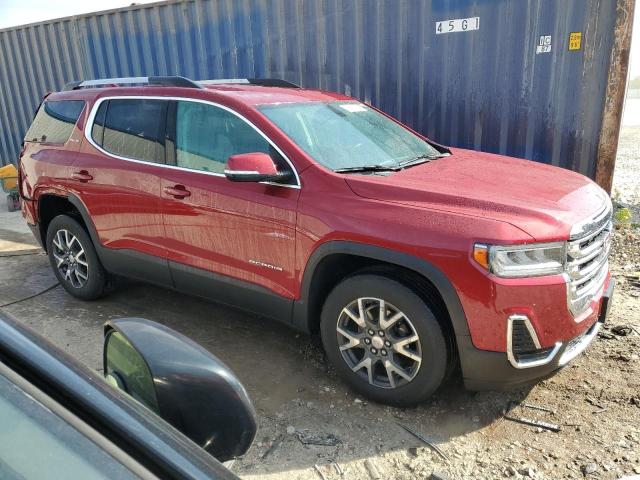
<point x="234" y="242"/>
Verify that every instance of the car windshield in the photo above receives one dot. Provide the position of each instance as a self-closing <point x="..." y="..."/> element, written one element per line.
<point x="348" y="135"/>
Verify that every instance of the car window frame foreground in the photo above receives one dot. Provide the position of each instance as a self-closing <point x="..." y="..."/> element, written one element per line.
<point x="91" y="435"/>
<point x="133" y="428"/>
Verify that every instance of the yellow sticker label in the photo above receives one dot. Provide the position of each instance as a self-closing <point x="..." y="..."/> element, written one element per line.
<point x="575" y="40"/>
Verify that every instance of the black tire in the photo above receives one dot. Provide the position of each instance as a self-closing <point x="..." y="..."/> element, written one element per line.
<point x="94" y="285"/>
<point x="421" y="321"/>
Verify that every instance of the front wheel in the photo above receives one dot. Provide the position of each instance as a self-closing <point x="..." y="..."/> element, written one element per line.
<point x="74" y="259"/>
<point x="384" y="340"/>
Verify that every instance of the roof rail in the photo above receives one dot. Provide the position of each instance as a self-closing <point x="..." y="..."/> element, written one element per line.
<point x="265" y="82"/>
<point x="173" y="81"/>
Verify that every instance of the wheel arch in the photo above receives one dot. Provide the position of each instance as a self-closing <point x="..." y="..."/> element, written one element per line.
<point x="316" y="280"/>
<point x="51" y="204"/>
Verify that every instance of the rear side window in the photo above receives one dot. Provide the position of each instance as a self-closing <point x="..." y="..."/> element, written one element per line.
<point x="131" y="128"/>
<point x="54" y="121"/>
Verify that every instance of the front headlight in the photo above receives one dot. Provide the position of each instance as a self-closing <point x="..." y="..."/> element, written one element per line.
<point x="532" y="260"/>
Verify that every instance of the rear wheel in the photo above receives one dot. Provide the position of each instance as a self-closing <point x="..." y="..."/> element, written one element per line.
<point x="384" y="340"/>
<point x="74" y="259"/>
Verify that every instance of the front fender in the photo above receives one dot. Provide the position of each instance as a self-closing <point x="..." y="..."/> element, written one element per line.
<point x="302" y="316"/>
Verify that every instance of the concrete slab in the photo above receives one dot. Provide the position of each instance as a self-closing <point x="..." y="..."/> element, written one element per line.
<point x="244" y="342"/>
<point x="15" y="236"/>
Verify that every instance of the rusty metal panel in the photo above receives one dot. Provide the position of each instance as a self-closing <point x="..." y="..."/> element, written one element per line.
<point x="614" y="96"/>
<point x="500" y="87"/>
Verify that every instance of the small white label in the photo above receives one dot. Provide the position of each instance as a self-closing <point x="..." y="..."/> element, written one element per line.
<point x="458" y="25"/>
<point x="544" y="44"/>
<point x="353" y="107"/>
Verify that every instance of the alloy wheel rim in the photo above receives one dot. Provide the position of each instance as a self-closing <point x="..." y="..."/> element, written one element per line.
<point x="70" y="257"/>
<point x="379" y="343"/>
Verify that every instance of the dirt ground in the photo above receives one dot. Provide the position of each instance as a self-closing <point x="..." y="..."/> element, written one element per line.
<point x="595" y="400"/>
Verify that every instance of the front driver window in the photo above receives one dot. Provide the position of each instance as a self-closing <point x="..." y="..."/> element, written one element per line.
<point x="35" y="443"/>
<point x="206" y="136"/>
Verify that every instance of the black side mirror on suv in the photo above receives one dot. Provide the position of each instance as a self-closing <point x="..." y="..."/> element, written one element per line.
<point x="182" y="382"/>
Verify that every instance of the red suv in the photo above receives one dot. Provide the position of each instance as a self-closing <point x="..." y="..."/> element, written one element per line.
<point x="309" y="207"/>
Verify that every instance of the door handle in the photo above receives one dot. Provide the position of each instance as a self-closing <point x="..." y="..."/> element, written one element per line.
<point x="177" y="191"/>
<point x="82" y="176"/>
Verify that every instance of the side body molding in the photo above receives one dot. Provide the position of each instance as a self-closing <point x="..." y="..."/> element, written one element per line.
<point x="302" y="317"/>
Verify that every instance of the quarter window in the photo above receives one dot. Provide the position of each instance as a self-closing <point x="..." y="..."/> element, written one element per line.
<point x="54" y="122"/>
<point x="206" y="136"/>
<point x="97" y="129"/>
<point x="132" y="128"/>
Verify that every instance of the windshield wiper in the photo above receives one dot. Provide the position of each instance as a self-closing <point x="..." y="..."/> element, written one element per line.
<point x="421" y="159"/>
<point x="392" y="168"/>
<point x="367" y="168"/>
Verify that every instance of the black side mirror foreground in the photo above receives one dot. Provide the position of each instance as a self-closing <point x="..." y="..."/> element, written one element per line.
<point x="182" y="382"/>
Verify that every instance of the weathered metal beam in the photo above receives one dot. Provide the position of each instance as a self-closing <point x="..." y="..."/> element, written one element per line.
<point x="614" y="99"/>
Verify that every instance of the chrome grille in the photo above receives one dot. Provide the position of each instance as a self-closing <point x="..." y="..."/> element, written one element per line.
<point x="587" y="259"/>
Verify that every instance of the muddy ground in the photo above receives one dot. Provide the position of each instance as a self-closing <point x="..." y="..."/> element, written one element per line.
<point x="595" y="400"/>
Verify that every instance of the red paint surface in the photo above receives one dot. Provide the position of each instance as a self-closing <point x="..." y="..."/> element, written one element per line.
<point x="253" y="162"/>
<point x="435" y="211"/>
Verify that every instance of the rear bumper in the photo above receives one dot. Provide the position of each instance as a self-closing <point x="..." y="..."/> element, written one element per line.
<point x="35" y="229"/>
<point x="28" y="208"/>
<point x="486" y="370"/>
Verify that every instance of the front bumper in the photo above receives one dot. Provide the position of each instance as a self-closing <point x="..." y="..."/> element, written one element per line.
<point x="486" y="370"/>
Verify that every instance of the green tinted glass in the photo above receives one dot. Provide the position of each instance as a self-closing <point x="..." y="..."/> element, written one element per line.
<point x="36" y="443"/>
<point x="206" y="136"/>
<point x="125" y="364"/>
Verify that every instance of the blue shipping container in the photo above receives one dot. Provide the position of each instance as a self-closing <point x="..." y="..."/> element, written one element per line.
<point x="525" y="78"/>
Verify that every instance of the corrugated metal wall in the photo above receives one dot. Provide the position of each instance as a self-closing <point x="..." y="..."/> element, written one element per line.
<point x="485" y="89"/>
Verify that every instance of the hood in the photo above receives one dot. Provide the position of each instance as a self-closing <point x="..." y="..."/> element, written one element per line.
<point x="542" y="200"/>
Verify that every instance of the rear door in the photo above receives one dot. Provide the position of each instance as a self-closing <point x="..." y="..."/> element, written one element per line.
<point x="117" y="177"/>
<point x="226" y="237"/>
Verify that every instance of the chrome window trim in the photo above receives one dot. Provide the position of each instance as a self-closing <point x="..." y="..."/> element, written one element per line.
<point x="527" y="363"/>
<point x="90" y="120"/>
